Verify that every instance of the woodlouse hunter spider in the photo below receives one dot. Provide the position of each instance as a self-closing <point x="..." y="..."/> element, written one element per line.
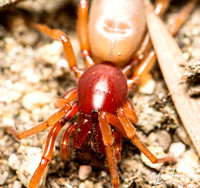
<point x="105" y="114"/>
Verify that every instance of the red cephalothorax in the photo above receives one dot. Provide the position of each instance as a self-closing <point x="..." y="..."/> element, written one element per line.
<point x="104" y="113"/>
<point x="98" y="89"/>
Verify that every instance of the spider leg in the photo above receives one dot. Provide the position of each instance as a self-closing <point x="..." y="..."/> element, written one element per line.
<point x="67" y="47"/>
<point x="118" y="145"/>
<point x="65" y="141"/>
<point x="161" y="6"/>
<point x="149" y="60"/>
<point x="114" y="121"/>
<point x="52" y="120"/>
<point x="181" y="17"/>
<point x="131" y="133"/>
<point x="143" y="68"/>
<point x="46" y="157"/>
<point x="110" y="151"/>
<point x="159" y="9"/>
<point x="82" y="30"/>
<point x="67" y="110"/>
<point x="66" y="98"/>
<point x="130" y="111"/>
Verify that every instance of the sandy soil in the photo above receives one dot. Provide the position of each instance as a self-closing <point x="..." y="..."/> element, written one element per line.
<point x="34" y="73"/>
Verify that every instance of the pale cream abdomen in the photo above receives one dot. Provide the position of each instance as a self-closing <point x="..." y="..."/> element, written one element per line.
<point x="116" y="28"/>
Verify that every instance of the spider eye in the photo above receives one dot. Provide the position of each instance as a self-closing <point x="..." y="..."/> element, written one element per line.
<point x="95" y="113"/>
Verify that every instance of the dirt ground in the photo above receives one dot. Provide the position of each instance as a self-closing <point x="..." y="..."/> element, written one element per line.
<point x="34" y="73"/>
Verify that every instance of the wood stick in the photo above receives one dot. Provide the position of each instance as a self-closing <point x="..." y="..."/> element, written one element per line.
<point x="171" y="60"/>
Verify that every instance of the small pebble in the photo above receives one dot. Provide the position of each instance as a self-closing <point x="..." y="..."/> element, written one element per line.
<point x="3" y="178"/>
<point x="55" y="185"/>
<point x="19" y="86"/>
<point x="15" y="95"/>
<point x="195" y="31"/>
<point x="149" y="122"/>
<point x="162" y="137"/>
<point x="20" y="30"/>
<point x="183" y="135"/>
<point x="28" y="38"/>
<point x="42" y="5"/>
<point x="13" y="161"/>
<point x="5" y="98"/>
<point x="17" y="184"/>
<point x="31" y="76"/>
<point x="7" y="120"/>
<point x="84" y="172"/>
<point x="103" y="174"/>
<point x="158" y="152"/>
<point x="36" y="99"/>
<point x="86" y="184"/>
<point x="51" y="53"/>
<point x="8" y="84"/>
<point x="186" y="56"/>
<point x="98" y="185"/>
<point x="188" y="164"/>
<point x="6" y="2"/>
<point x="147" y="85"/>
<point x="177" y="149"/>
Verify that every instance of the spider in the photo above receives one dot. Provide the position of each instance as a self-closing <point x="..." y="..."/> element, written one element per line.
<point x="115" y="36"/>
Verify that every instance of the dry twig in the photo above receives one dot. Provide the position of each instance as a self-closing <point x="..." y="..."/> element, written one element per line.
<point x="171" y="60"/>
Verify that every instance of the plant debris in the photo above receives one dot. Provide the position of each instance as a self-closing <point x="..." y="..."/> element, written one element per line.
<point x="27" y="71"/>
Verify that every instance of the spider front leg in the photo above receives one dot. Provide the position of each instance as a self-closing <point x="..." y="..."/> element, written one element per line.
<point x="66" y="98"/>
<point x="46" y="157"/>
<point x="52" y="120"/>
<point x="118" y="145"/>
<point x="65" y="141"/>
<point x="110" y="151"/>
<point x="62" y="103"/>
<point x="131" y="133"/>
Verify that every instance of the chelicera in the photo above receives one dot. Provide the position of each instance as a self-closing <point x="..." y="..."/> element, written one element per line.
<point x="104" y="113"/>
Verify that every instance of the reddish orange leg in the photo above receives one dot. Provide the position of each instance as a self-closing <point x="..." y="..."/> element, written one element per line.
<point x="149" y="60"/>
<point x="66" y="98"/>
<point x="181" y="17"/>
<point x="65" y="141"/>
<point x="130" y="111"/>
<point x="160" y="7"/>
<point x="118" y="145"/>
<point x="35" y="179"/>
<point x="114" y="121"/>
<point x="67" y="47"/>
<point x="110" y="151"/>
<point x="52" y="120"/>
<point x="143" y="68"/>
<point x="46" y="157"/>
<point x="82" y="30"/>
<point x="131" y="133"/>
